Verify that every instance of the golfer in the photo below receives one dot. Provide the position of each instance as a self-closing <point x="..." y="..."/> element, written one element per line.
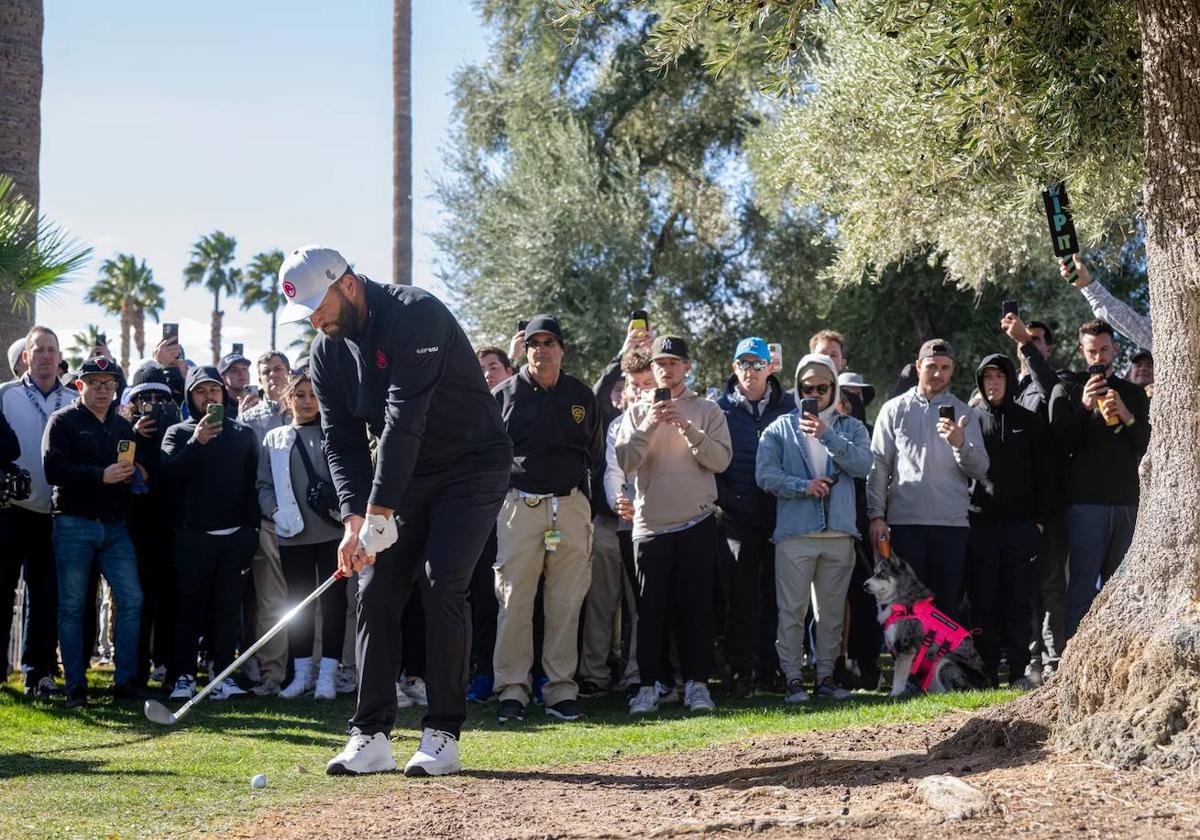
<point x="393" y="361"/>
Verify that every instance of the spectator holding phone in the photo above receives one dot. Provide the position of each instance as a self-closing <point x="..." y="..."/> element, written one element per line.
<point x="212" y="464"/>
<point x="928" y="448"/>
<point x="90" y="504"/>
<point x="676" y="445"/>
<point x="808" y="459"/>
<point x="235" y="373"/>
<point x="1104" y="426"/>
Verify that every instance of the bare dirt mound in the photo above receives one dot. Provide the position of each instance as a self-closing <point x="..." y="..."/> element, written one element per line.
<point x="877" y="782"/>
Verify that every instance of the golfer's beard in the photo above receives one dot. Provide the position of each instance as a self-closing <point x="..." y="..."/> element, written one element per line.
<point x="344" y="325"/>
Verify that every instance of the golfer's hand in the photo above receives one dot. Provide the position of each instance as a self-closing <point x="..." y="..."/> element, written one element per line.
<point x="818" y="488"/>
<point x="953" y="433"/>
<point x="350" y="556"/>
<point x="118" y="472"/>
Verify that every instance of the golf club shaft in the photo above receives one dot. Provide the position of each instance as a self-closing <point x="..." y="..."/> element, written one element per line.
<point x="266" y="637"/>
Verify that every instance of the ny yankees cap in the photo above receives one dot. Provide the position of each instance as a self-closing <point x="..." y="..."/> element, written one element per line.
<point x="305" y="277"/>
<point x="669" y="347"/>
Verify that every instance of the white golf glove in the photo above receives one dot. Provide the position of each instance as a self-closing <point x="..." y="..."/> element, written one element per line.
<point x="378" y="533"/>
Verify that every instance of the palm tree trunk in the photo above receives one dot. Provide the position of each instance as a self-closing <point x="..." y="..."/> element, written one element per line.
<point x="402" y="267"/>
<point x="126" y="328"/>
<point x="21" y="25"/>
<point x="139" y="330"/>
<point x="274" y="321"/>
<point x="216" y="328"/>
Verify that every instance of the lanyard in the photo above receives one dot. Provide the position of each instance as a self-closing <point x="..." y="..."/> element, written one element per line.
<point x="37" y="403"/>
<point x="553" y="511"/>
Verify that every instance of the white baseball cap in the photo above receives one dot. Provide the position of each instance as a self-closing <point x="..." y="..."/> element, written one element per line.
<point x="305" y="277"/>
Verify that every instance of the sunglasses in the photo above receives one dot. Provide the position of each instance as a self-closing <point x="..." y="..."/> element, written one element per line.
<point x="549" y="342"/>
<point x="156" y="398"/>
<point x="751" y="364"/>
<point x="819" y="390"/>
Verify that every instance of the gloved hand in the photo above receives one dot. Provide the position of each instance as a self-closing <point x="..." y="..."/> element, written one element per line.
<point x="377" y="534"/>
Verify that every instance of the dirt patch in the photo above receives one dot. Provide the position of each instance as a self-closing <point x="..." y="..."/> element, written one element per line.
<point x="844" y="784"/>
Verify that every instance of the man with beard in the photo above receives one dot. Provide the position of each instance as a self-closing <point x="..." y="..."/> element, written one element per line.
<point x="393" y="361"/>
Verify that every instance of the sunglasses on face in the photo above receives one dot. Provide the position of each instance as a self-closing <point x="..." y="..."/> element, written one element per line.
<point x="751" y="364"/>
<point x="549" y="342"/>
<point x="152" y="399"/>
<point x="817" y="390"/>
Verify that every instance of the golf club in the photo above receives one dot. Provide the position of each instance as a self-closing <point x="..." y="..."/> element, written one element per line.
<point x="158" y="713"/>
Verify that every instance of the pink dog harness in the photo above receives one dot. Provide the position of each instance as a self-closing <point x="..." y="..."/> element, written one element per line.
<point x="941" y="636"/>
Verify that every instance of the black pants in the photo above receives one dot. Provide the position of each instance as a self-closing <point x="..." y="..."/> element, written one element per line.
<point x="29" y="550"/>
<point x="1000" y="582"/>
<point x="412" y="636"/>
<point x="865" y="636"/>
<point x="938" y="556"/>
<point x="210" y="578"/>
<point x="446" y="519"/>
<point x="153" y="542"/>
<point x="749" y="569"/>
<point x="675" y="578"/>
<point x="304" y="567"/>
<point x="484" y="609"/>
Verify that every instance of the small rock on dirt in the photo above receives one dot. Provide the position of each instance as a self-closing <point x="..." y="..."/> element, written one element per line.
<point x="953" y="797"/>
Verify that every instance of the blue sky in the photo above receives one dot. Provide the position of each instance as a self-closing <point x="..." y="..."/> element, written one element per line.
<point x="269" y="120"/>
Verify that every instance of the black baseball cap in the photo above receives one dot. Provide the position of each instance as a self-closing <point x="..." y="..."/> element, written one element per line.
<point x="99" y="364"/>
<point x="936" y="347"/>
<point x="543" y="324"/>
<point x="669" y="347"/>
<point x="231" y="359"/>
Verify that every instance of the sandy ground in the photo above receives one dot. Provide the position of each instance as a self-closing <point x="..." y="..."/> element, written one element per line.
<point x="842" y="784"/>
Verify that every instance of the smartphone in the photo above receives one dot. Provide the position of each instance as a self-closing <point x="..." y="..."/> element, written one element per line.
<point x="1009" y="307"/>
<point x="251" y="390"/>
<point x="639" y="319"/>
<point x="521" y="325"/>
<point x="776" y="351"/>
<point x="170" y="331"/>
<point x="628" y="490"/>
<point x="101" y="338"/>
<point x="215" y="413"/>
<point x="239" y="349"/>
<point x="809" y="405"/>
<point x="125" y="451"/>
<point x="1098" y="370"/>
<point x="946" y="412"/>
<point x="662" y="394"/>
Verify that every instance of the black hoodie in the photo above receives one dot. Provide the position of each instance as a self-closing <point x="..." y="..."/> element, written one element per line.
<point x="1020" y="479"/>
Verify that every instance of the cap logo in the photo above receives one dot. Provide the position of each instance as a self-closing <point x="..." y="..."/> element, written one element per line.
<point x="289" y="288"/>
<point x="381" y="360"/>
<point x="329" y="274"/>
<point x="578" y="413"/>
<point x="102" y="363"/>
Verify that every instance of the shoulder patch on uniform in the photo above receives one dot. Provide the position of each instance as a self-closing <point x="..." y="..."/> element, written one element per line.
<point x="578" y="412"/>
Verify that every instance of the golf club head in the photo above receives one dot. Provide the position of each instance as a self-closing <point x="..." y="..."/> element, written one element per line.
<point x="158" y="713"/>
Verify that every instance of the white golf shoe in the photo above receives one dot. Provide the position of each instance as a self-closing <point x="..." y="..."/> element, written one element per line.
<point x="437" y="755"/>
<point x="363" y="754"/>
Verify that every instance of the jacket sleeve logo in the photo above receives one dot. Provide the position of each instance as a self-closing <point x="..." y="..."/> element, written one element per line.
<point x="578" y="413"/>
<point x="381" y="360"/>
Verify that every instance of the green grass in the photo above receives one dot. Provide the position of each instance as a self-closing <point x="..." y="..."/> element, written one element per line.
<point x="106" y="771"/>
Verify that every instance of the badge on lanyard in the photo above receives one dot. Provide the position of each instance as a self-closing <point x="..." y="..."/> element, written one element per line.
<point x="553" y="539"/>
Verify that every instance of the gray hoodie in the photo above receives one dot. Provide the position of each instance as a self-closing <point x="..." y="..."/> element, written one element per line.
<point x="917" y="478"/>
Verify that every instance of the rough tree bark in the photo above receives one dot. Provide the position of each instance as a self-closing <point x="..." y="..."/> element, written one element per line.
<point x="21" y="25"/>
<point x="402" y="142"/>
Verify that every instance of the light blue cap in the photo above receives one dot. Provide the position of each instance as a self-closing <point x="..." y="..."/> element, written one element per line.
<point x="753" y="346"/>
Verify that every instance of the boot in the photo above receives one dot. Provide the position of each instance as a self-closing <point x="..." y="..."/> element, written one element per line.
<point x="327" y="679"/>
<point x="302" y="680"/>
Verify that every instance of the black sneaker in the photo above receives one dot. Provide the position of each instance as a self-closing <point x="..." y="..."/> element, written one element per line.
<point x="76" y="698"/>
<point x="510" y="710"/>
<point x="44" y="688"/>
<point x="739" y="688"/>
<point x="589" y="689"/>
<point x="133" y="691"/>
<point x="565" y="710"/>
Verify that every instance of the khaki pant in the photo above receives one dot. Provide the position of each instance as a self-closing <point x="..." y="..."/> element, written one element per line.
<point x="820" y="568"/>
<point x="521" y="560"/>
<point x="603" y="603"/>
<point x="270" y="592"/>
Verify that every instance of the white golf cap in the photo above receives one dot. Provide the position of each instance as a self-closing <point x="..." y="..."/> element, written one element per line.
<point x="305" y="277"/>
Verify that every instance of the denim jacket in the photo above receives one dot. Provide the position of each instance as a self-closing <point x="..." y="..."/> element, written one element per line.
<point x="783" y="470"/>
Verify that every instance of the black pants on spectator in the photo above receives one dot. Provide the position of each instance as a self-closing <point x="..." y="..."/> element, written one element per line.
<point x="865" y="636"/>
<point x="210" y="578"/>
<point x="938" y="555"/>
<point x="1049" y="602"/>
<point x="29" y="550"/>
<point x="749" y="561"/>
<point x="153" y="542"/>
<point x="484" y="609"/>
<point x="1000" y="584"/>
<point x="446" y="520"/>
<point x="304" y="567"/>
<point x="675" y="578"/>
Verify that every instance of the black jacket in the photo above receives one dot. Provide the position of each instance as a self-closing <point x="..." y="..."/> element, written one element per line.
<point x="556" y="435"/>
<point x="214" y="484"/>
<point x="76" y="450"/>
<point x="1034" y="388"/>
<point x="10" y="444"/>
<point x="743" y="504"/>
<point x="1019" y="482"/>
<point x="412" y="379"/>
<point x="1103" y="460"/>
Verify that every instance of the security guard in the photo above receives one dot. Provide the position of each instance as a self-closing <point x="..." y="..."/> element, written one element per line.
<point x="392" y="360"/>
<point x="545" y="525"/>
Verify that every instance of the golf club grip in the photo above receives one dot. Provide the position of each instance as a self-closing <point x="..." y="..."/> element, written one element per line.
<point x="262" y="640"/>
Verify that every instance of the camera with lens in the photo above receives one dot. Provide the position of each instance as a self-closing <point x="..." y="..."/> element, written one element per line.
<point x="15" y="485"/>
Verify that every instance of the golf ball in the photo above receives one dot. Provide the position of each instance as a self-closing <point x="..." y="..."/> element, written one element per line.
<point x="259" y="781"/>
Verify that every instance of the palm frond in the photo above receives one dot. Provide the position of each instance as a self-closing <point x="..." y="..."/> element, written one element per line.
<point x="35" y="254"/>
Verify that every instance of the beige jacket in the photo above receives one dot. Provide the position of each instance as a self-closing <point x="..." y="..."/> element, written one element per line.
<point x="676" y="469"/>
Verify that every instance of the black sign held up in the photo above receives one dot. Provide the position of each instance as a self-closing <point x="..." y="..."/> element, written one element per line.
<point x="1058" y="214"/>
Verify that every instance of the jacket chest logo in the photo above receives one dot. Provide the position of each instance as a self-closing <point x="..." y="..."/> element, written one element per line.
<point x="381" y="360"/>
<point x="578" y="413"/>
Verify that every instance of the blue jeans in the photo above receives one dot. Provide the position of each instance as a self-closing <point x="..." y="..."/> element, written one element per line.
<point x="1097" y="538"/>
<point x="78" y="544"/>
<point x="938" y="556"/>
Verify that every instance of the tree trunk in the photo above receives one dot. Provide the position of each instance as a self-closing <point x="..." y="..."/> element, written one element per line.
<point x="21" y="24"/>
<point x="126" y="329"/>
<point x="402" y="267"/>
<point x="1128" y="690"/>
<point x="139" y="330"/>
<point x="274" y="324"/>
<point x="217" y="314"/>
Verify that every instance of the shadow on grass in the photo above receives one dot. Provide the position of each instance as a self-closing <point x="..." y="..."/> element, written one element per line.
<point x="13" y="765"/>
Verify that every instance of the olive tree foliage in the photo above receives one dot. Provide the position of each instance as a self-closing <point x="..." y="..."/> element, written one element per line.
<point x="931" y="127"/>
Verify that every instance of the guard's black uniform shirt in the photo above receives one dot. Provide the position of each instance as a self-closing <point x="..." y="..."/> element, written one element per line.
<point x="556" y="433"/>
<point x="414" y="381"/>
<point x="77" y="448"/>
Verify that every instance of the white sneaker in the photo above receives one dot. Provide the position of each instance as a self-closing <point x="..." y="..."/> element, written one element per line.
<point x="346" y="681"/>
<point x="302" y="679"/>
<point x="645" y="701"/>
<point x="437" y="755"/>
<point x="403" y="701"/>
<point x="225" y="689"/>
<point x="185" y="688"/>
<point x="363" y="754"/>
<point x="414" y="687"/>
<point x="667" y="694"/>
<point x="325" y="688"/>
<point x="696" y="697"/>
<point x="159" y="673"/>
